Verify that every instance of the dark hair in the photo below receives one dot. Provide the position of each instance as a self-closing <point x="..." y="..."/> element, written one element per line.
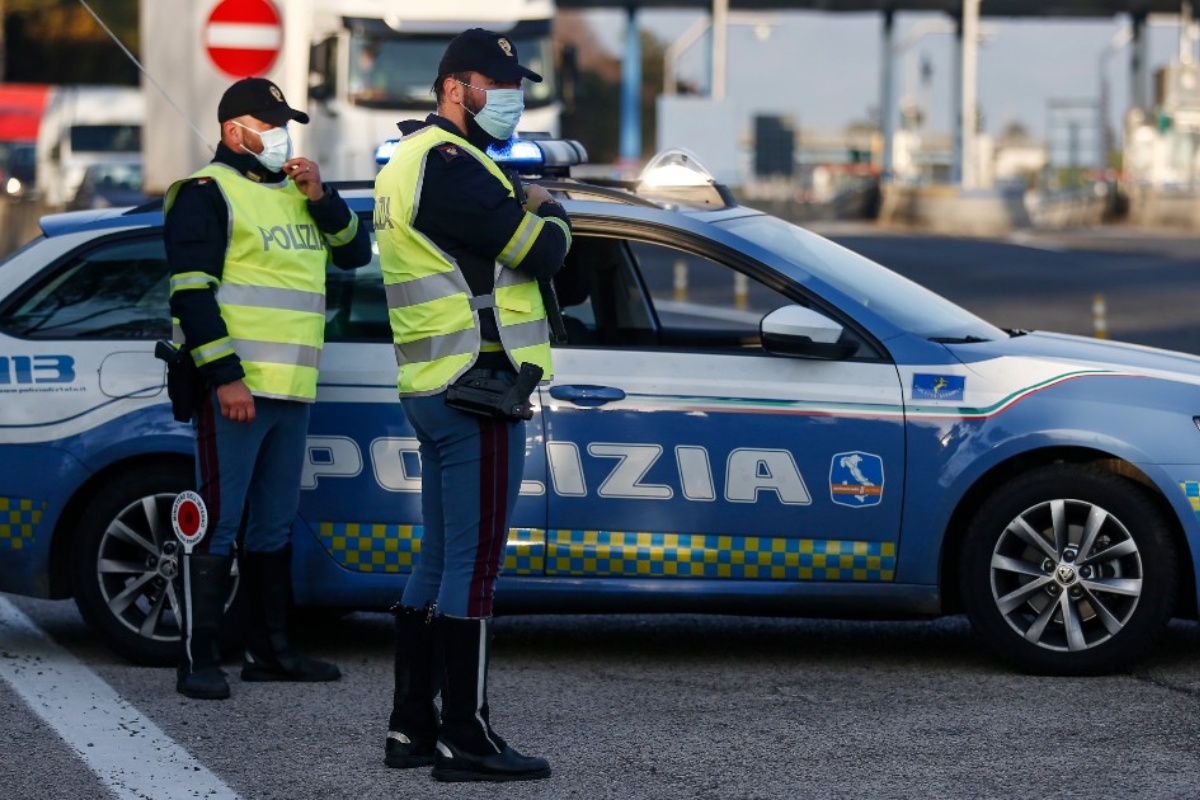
<point x="464" y="77"/>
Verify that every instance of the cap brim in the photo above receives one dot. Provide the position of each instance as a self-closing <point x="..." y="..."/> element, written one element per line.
<point x="281" y="115"/>
<point x="514" y="74"/>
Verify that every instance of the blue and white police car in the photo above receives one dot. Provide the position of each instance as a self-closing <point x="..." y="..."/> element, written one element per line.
<point x="745" y="418"/>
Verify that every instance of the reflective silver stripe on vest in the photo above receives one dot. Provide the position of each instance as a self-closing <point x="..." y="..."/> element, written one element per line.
<point x="240" y="294"/>
<point x="525" y="334"/>
<point x="483" y="301"/>
<point x="422" y="290"/>
<point x="299" y="355"/>
<point x="177" y="333"/>
<point x="431" y="348"/>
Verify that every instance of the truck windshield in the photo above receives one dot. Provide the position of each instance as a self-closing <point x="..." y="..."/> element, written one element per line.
<point x="391" y="71"/>
<point x="106" y="138"/>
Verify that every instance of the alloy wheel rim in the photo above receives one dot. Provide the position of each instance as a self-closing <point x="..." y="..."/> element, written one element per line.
<point x="1066" y="575"/>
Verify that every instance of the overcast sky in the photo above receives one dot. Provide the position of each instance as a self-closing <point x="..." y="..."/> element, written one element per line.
<point x="823" y="69"/>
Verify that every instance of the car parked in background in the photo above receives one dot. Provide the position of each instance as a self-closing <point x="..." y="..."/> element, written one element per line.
<point x="110" y="185"/>
<point x="18" y="169"/>
<point x="746" y="418"/>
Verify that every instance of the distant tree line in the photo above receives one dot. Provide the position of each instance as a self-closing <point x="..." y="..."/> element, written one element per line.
<point x="58" y="41"/>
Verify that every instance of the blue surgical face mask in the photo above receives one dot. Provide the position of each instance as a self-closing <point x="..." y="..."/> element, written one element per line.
<point x="501" y="113"/>
<point x="277" y="147"/>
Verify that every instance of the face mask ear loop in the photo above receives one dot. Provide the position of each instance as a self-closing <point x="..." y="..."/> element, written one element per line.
<point x="243" y="143"/>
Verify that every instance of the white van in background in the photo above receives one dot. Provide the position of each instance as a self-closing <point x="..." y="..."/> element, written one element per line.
<point x="85" y="126"/>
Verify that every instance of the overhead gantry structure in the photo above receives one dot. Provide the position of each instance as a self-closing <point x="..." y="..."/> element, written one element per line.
<point x="966" y="15"/>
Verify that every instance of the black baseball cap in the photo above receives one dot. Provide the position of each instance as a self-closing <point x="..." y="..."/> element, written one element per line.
<point x="486" y="52"/>
<point x="258" y="98"/>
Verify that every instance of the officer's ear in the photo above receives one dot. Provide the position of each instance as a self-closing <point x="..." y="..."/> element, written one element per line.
<point x="231" y="134"/>
<point x="452" y="90"/>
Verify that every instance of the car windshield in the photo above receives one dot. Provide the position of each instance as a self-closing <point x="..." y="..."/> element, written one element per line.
<point x="125" y="177"/>
<point x="900" y="301"/>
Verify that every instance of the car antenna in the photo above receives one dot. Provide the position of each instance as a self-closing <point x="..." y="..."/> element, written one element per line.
<point x="149" y="77"/>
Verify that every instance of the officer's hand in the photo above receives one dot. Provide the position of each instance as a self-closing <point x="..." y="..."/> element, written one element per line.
<point x="307" y="176"/>
<point x="534" y="196"/>
<point x="237" y="404"/>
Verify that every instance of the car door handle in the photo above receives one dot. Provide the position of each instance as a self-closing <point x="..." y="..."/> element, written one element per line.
<point x="585" y="395"/>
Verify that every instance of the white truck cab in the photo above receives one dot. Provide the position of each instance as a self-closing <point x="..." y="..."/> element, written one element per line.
<point x="83" y="126"/>
<point x="356" y="66"/>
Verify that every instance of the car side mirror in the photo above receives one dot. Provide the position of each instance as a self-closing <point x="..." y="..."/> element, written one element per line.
<point x="802" y="332"/>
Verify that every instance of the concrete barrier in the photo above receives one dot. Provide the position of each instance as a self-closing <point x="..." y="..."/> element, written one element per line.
<point x="947" y="209"/>
<point x="1163" y="208"/>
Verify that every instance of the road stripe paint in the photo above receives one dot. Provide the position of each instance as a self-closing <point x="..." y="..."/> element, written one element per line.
<point x="127" y="752"/>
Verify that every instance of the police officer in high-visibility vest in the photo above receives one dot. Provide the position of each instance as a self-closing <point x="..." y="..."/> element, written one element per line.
<point x="461" y="260"/>
<point x="248" y="238"/>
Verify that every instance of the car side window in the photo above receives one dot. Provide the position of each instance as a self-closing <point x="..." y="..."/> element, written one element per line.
<point x="118" y="290"/>
<point x="624" y="292"/>
<point x="355" y="304"/>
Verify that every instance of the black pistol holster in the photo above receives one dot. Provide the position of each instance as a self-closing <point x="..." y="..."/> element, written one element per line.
<point x="476" y="392"/>
<point x="185" y="384"/>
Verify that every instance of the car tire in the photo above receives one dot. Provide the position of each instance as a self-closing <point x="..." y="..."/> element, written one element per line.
<point x="123" y="558"/>
<point x="1069" y="570"/>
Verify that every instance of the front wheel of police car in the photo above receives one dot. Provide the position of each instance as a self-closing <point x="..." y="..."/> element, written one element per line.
<point x="1069" y="570"/>
<point x="124" y="561"/>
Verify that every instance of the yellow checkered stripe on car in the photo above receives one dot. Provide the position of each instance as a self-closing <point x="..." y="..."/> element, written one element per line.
<point x="1191" y="490"/>
<point x="365" y="547"/>
<point x="394" y="548"/>
<point x="18" y="519"/>
<point x="615" y="553"/>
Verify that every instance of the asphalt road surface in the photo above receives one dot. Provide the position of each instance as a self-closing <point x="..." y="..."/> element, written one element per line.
<point x="673" y="706"/>
<point x="1150" y="284"/>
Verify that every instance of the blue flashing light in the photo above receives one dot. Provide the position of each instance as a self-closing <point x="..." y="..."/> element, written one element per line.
<point x="383" y="153"/>
<point x="525" y="156"/>
<point x="519" y="154"/>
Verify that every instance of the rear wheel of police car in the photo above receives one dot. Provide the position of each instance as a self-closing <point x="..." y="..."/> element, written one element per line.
<point x="124" y="561"/>
<point x="1069" y="570"/>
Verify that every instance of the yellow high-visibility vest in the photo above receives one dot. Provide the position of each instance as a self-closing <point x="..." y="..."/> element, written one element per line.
<point x="434" y="317"/>
<point x="272" y="288"/>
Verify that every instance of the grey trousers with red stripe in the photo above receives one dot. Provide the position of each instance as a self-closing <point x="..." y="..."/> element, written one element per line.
<point x="471" y="471"/>
<point x="252" y="468"/>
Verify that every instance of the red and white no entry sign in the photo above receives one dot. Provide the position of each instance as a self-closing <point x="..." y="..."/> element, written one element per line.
<point x="243" y="37"/>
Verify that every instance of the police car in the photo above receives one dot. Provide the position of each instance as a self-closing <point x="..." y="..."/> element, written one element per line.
<point x="744" y="418"/>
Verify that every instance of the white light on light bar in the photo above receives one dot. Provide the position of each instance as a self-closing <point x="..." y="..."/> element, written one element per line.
<point x="675" y="167"/>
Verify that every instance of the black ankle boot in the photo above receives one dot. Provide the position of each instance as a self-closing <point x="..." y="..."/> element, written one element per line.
<point x="467" y="747"/>
<point x="413" y="725"/>
<point x="267" y="578"/>
<point x="203" y="586"/>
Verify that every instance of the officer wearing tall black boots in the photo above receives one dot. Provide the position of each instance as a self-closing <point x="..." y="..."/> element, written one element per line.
<point x="249" y="310"/>
<point x="461" y="259"/>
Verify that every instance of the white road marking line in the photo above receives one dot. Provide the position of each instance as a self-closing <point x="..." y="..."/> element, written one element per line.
<point x="127" y="752"/>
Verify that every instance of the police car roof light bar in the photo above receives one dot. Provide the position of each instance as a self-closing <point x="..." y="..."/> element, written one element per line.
<point x="525" y="156"/>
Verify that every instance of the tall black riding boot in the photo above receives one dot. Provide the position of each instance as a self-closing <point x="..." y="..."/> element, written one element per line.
<point x="269" y="656"/>
<point x="467" y="747"/>
<point x="203" y="586"/>
<point x="413" y="725"/>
